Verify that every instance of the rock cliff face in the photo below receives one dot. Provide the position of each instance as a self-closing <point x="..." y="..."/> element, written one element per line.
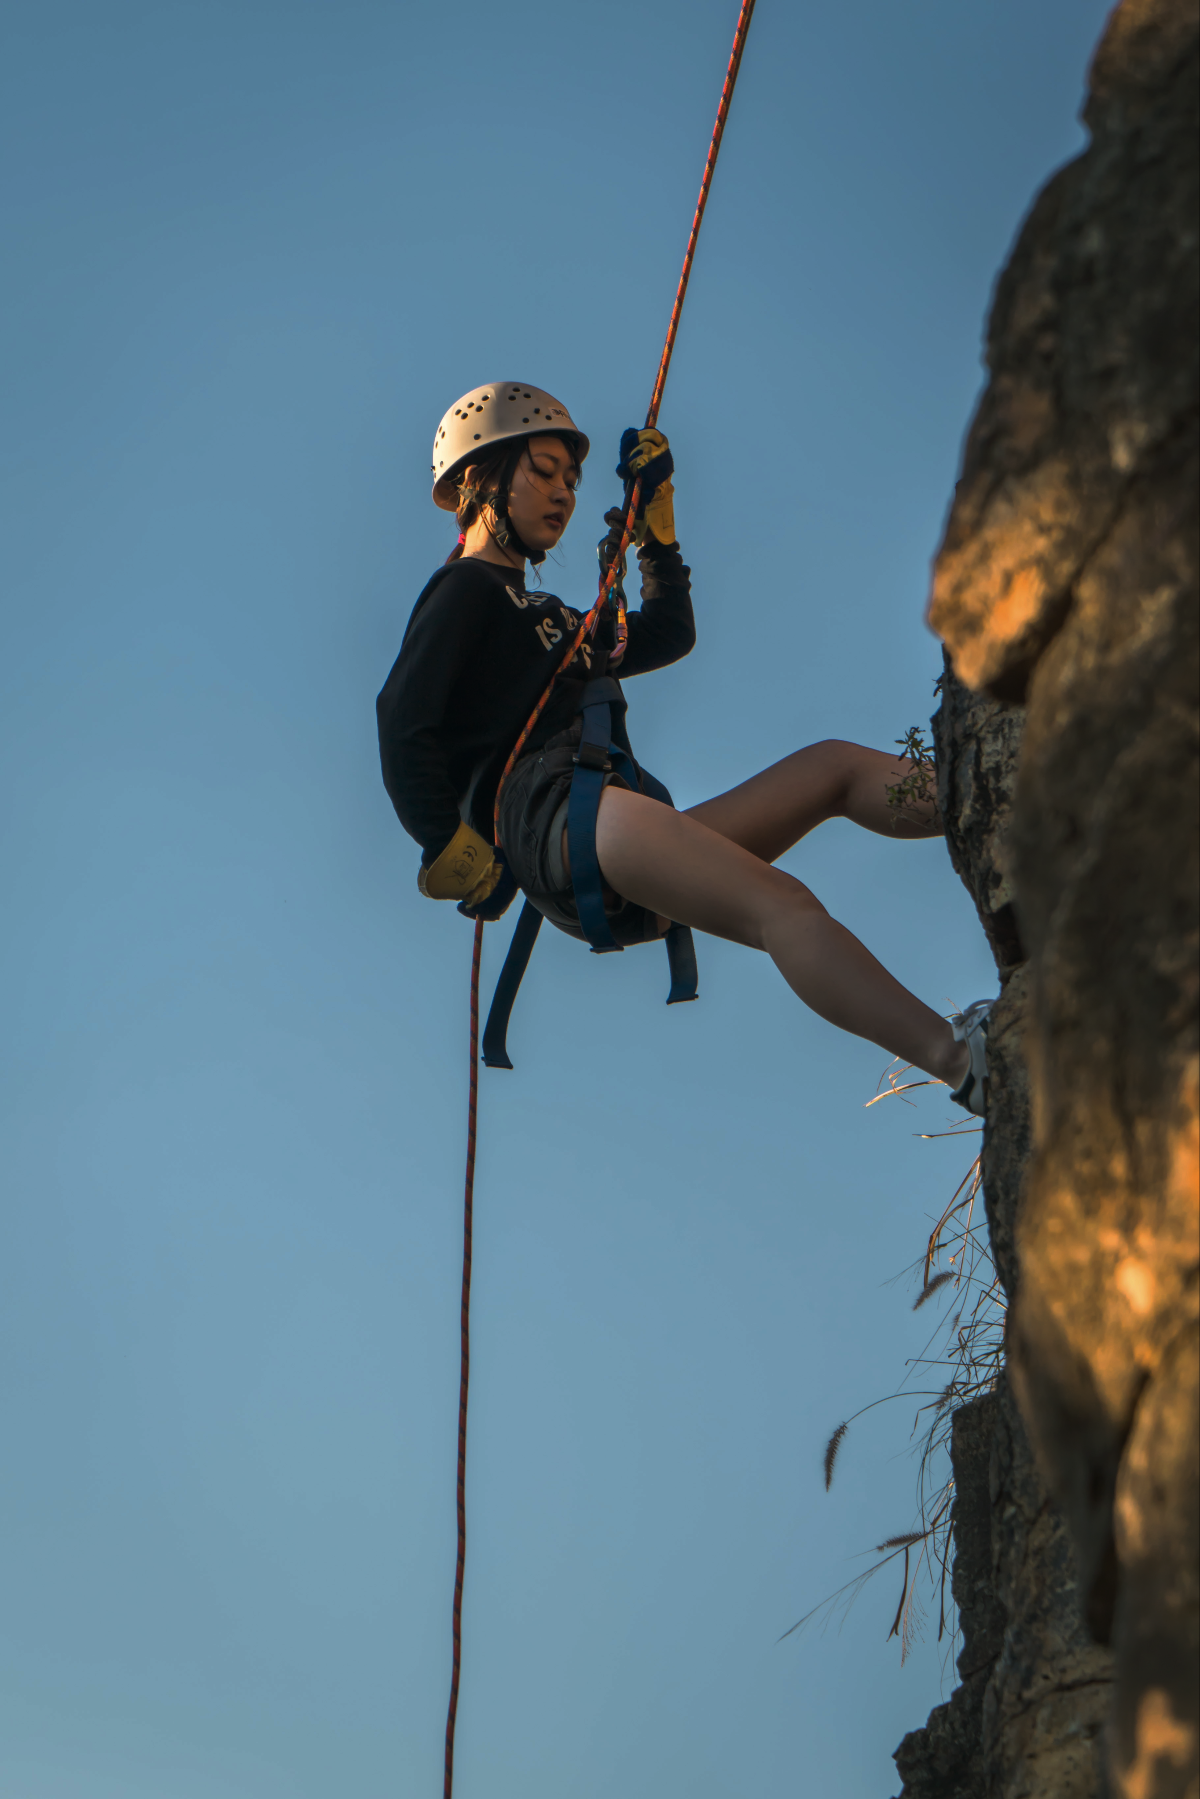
<point x="1026" y="1722"/>
<point x="944" y="1759"/>
<point x="1066" y="594"/>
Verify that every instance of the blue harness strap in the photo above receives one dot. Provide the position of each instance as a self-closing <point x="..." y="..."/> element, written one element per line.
<point x="681" y="950"/>
<point x="495" y="1033"/>
<point x="681" y="960"/>
<point x="596" y="756"/>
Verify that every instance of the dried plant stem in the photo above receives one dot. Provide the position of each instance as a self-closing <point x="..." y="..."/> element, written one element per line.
<point x="957" y="1259"/>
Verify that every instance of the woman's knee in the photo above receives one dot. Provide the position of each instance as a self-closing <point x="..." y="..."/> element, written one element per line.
<point x="782" y="902"/>
<point x="843" y="763"/>
<point x="792" y="895"/>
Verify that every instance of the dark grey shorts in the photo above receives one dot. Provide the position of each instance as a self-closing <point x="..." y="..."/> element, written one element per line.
<point x="533" y="813"/>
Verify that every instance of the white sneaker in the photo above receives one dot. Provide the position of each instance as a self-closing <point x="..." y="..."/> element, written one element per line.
<point x="971" y="1027"/>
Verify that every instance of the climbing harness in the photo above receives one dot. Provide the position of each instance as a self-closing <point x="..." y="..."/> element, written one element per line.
<point x="597" y="755"/>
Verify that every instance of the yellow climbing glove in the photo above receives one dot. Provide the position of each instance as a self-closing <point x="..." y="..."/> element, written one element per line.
<point x="646" y="455"/>
<point x="467" y="870"/>
<point x="660" y="513"/>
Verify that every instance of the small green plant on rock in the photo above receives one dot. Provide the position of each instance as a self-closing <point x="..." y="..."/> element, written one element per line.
<point x="919" y="785"/>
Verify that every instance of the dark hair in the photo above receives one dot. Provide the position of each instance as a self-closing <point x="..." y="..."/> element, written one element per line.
<point x="490" y="482"/>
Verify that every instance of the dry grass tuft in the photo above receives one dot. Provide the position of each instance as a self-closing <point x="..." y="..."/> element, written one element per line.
<point x="966" y="1349"/>
<point x="831" y="1449"/>
<point x="932" y="1287"/>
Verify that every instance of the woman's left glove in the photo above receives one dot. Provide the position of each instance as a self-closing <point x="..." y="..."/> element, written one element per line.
<point x="468" y="870"/>
<point x="646" y="456"/>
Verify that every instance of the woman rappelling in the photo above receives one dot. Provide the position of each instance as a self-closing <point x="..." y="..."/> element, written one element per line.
<point x="479" y="653"/>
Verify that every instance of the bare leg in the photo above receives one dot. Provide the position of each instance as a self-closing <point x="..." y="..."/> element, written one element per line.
<point x="675" y="865"/>
<point x="773" y="810"/>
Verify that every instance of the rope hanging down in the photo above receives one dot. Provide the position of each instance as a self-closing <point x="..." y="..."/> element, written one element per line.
<point x="464" y="1370"/>
<point x="587" y="629"/>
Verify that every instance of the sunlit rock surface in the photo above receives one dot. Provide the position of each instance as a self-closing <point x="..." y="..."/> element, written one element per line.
<point x="1066" y="589"/>
<point x="1026" y="1721"/>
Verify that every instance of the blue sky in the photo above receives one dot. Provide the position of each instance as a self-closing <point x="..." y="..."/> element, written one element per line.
<point x="254" y="252"/>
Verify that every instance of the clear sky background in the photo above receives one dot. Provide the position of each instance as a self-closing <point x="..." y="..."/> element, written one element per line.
<point x="254" y="249"/>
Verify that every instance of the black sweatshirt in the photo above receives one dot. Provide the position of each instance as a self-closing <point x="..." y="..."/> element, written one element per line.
<point x="477" y="656"/>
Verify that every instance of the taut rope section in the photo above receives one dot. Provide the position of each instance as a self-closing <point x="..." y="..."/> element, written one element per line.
<point x="591" y="622"/>
<point x="710" y="163"/>
<point x="587" y="629"/>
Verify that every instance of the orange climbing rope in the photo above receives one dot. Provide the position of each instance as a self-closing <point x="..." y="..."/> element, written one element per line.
<point x="710" y="163"/>
<point x="587" y="629"/>
<point x="464" y="1368"/>
<point x="591" y="622"/>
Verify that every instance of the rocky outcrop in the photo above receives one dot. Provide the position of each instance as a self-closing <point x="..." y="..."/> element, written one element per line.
<point x="1066" y="586"/>
<point x="944" y="1758"/>
<point x="1026" y="1721"/>
<point x="1048" y="1693"/>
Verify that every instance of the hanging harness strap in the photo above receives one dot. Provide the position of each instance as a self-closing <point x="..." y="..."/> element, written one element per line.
<point x="520" y="948"/>
<point x="681" y="961"/>
<point x="681" y="950"/>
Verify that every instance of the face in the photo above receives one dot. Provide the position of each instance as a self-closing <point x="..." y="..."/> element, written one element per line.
<point x="542" y="496"/>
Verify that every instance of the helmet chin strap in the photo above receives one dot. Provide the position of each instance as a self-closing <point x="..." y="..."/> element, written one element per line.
<point x="503" y="532"/>
<point x="509" y="538"/>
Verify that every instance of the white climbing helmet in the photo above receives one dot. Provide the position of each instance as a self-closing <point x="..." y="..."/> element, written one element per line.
<point x="492" y="414"/>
